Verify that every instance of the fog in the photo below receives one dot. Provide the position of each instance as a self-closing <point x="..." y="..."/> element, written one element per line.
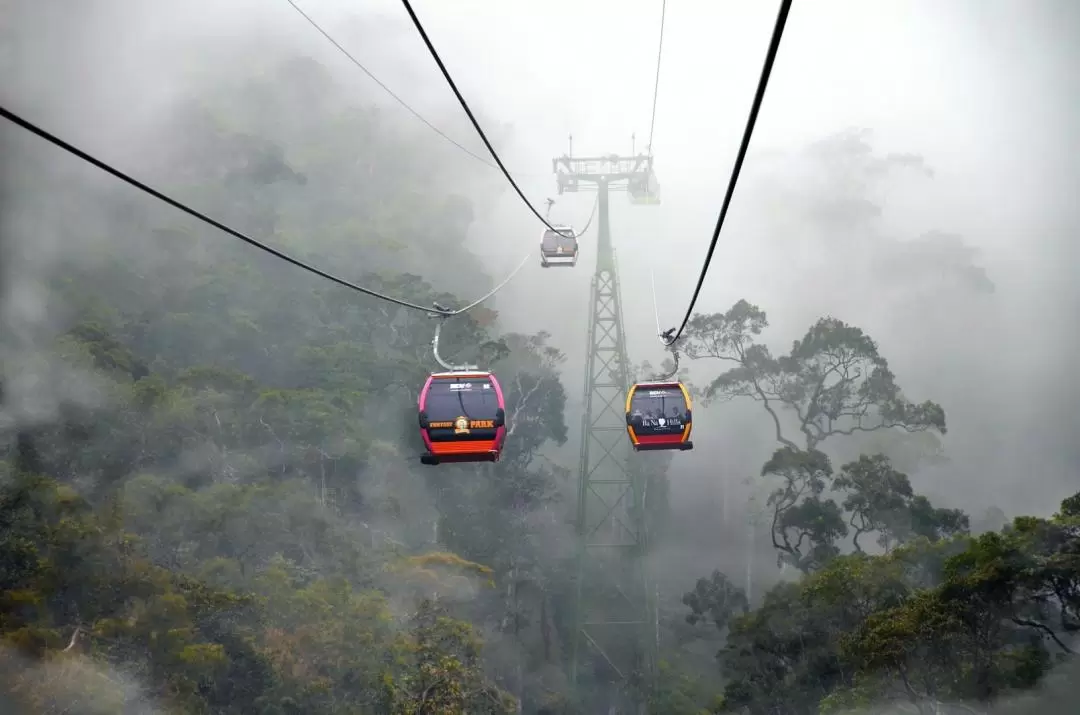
<point x="980" y="90"/>
<point x="984" y="91"/>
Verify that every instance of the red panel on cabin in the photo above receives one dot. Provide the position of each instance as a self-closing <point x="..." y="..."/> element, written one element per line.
<point x="660" y="439"/>
<point x="463" y="447"/>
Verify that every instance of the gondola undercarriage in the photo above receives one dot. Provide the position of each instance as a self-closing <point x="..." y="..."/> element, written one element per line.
<point x="558" y="258"/>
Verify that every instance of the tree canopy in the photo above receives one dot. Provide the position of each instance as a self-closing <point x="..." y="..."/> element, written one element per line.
<point x="224" y="504"/>
<point x="211" y="499"/>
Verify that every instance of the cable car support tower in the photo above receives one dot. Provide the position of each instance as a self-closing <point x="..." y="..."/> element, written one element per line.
<point x="613" y="641"/>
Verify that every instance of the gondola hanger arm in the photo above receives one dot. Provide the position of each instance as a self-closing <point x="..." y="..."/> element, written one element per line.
<point x="442" y="315"/>
<point x="666" y="338"/>
<point x="674" y="370"/>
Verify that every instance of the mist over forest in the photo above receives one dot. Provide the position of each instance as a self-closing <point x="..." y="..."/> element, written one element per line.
<point x="211" y="493"/>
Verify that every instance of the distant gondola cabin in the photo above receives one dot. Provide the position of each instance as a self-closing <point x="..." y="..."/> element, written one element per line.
<point x="558" y="248"/>
<point x="658" y="416"/>
<point x="462" y="417"/>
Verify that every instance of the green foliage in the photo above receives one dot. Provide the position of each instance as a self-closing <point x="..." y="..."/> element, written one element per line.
<point x="806" y="525"/>
<point x="938" y="617"/>
<point x="833" y="382"/>
<point x="226" y="505"/>
<point x="881" y="499"/>
<point x="716" y="599"/>
<point x="441" y="672"/>
<point x="221" y="513"/>
<point x="967" y="619"/>
<point x="676" y="693"/>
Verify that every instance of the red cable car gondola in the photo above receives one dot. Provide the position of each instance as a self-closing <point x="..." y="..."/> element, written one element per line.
<point x="462" y="417"/>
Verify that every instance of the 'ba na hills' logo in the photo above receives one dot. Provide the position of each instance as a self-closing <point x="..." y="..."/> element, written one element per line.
<point x="461" y="425"/>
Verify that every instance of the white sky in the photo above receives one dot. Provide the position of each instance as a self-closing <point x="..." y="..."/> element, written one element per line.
<point x="965" y="83"/>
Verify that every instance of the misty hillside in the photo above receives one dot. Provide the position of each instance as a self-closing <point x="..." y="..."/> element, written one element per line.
<point x="211" y="493"/>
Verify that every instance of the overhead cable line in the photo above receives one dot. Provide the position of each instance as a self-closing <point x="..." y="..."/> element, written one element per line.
<point x="389" y="91"/>
<point x="442" y="312"/>
<point x="663" y="335"/>
<point x="656" y="87"/>
<point x="588" y="223"/>
<point x="652" y="127"/>
<point x="472" y="118"/>
<point x="591" y="217"/>
<point x="493" y="291"/>
<point x="655" y="306"/>
<point x="766" y="70"/>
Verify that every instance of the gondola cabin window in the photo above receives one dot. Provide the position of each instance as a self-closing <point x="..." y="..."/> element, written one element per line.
<point x="659" y="410"/>
<point x="555" y="242"/>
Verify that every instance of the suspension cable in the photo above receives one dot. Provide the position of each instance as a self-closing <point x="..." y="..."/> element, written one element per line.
<point x="663" y="334"/>
<point x="766" y="70"/>
<point x="496" y="289"/>
<point x="386" y="89"/>
<point x="655" y="307"/>
<point x="656" y="87"/>
<point x="443" y="313"/>
<point x="472" y="118"/>
<point x="34" y="129"/>
<point x="451" y="367"/>
<point x="592" y="215"/>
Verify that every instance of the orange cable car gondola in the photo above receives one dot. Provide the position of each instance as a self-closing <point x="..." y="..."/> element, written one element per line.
<point x="659" y="416"/>
<point x="462" y="414"/>
<point x="659" y="413"/>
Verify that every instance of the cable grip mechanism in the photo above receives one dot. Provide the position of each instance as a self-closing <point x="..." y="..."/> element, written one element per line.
<point x="442" y="314"/>
<point x="666" y="337"/>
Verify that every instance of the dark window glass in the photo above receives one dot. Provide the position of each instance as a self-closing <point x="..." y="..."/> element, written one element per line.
<point x="449" y="398"/>
<point x="660" y="410"/>
<point x="553" y="240"/>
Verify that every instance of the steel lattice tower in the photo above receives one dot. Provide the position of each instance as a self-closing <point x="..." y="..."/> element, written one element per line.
<point x="613" y="642"/>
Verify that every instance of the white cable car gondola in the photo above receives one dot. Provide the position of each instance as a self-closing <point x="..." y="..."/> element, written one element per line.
<point x="644" y="191"/>
<point x="559" y="247"/>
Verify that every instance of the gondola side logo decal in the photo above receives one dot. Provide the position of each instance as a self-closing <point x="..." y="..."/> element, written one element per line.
<point x="462" y="426"/>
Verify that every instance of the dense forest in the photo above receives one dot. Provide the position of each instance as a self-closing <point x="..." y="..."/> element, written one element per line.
<point x="211" y="499"/>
